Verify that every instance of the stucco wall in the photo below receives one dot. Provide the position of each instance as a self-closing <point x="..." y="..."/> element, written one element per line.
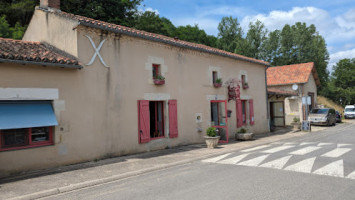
<point x="52" y="29"/>
<point x="98" y="104"/>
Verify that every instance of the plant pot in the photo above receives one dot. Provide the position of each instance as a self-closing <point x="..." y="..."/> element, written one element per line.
<point x="159" y="82"/>
<point x="217" y="85"/>
<point x="244" y="136"/>
<point x="212" y="142"/>
<point x="296" y="126"/>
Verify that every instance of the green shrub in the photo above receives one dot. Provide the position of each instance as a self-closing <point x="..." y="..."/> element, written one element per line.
<point x="243" y="130"/>
<point x="211" y="132"/>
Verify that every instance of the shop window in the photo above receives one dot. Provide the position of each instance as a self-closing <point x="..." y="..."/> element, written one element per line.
<point x="217" y="114"/>
<point x="25" y="138"/>
<point x="156" y="115"/>
<point x="242" y="112"/>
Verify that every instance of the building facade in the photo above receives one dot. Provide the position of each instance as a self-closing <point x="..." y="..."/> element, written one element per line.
<point x="136" y="92"/>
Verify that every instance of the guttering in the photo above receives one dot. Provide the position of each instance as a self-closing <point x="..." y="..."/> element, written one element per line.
<point x="133" y="34"/>
<point x="41" y="63"/>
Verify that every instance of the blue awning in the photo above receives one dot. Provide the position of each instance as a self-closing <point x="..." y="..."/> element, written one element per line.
<point x="26" y="114"/>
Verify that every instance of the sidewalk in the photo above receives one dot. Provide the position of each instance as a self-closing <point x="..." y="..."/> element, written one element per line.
<point x="63" y="179"/>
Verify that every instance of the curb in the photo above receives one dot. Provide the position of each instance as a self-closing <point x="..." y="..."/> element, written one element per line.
<point x="82" y="185"/>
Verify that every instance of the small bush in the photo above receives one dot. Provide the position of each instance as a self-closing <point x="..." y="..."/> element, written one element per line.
<point x="211" y="132"/>
<point x="243" y="130"/>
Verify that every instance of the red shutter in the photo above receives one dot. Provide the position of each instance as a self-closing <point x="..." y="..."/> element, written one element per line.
<point x="251" y="111"/>
<point x="143" y="121"/>
<point x="239" y="113"/>
<point x="173" y="121"/>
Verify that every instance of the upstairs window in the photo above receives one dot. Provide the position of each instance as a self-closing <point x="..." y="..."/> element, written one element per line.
<point x="156" y="71"/>
<point x="214" y="77"/>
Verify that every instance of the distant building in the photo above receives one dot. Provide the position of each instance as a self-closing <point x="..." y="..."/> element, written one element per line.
<point x="286" y="87"/>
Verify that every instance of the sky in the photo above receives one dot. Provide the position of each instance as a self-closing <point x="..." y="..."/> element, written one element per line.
<point x="334" y="19"/>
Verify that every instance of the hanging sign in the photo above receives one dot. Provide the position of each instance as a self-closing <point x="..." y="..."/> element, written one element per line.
<point x="233" y="89"/>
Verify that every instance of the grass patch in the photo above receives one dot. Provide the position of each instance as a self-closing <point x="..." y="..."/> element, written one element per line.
<point x="329" y="104"/>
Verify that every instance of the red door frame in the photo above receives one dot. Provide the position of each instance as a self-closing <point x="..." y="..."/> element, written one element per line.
<point x="225" y="114"/>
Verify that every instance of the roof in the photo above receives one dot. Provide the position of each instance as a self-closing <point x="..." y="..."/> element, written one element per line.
<point x="24" y="52"/>
<point x="89" y="22"/>
<point x="281" y="92"/>
<point x="290" y="74"/>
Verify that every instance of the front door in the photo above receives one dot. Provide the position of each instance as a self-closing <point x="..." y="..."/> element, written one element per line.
<point x="277" y="114"/>
<point x="219" y="119"/>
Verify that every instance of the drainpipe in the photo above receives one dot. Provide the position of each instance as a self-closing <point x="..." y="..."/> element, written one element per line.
<point x="267" y="102"/>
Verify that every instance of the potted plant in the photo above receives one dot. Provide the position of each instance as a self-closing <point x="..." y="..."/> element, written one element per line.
<point x="243" y="134"/>
<point x="159" y="80"/>
<point x="245" y="85"/>
<point x="211" y="137"/>
<point x="218" y="83"/>
<point x="296" y="124"/>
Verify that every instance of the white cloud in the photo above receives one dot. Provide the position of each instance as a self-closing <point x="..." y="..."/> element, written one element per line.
<point x="143" y="9"/>
<point x="335" y="57"/>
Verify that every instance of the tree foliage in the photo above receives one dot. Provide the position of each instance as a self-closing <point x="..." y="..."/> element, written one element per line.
<point x="230" y="34"/>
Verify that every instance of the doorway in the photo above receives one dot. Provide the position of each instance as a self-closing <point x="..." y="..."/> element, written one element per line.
<point x="219" y="119"/>
<point x="277" y="113"/>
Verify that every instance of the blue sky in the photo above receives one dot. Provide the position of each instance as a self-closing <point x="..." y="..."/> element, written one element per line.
<point x="334" y="19"/>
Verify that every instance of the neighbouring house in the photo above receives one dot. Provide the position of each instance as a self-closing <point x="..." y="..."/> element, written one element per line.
<point x="80" y="89"/>
<point x="286" y="87"/>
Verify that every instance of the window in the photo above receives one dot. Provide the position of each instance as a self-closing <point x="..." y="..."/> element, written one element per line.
<point x="244" y="112"/>
<point x="151" y="124"/>
<point x="25" y="138"/>
<point x="219" y="118"/>
<point x="156" y="111"/>
<point x="156" y="71"/>
<point x="243" y="79"/>
<point x="214" y="77"/>
<point x="25" y="124"/>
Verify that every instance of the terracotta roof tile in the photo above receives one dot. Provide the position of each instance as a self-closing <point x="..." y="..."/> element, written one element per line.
<point x="35" y="52"/>
<point x="155" y="37"/>
<point x="290" y="74"/>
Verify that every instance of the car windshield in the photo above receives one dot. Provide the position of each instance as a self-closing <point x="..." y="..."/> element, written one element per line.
<point x="319" y="111"/>
<point x="349" y="109"/>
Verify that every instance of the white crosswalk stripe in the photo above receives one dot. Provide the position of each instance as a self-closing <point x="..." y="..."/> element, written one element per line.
<point x="335" y="153"/>
<point x="323" y="144"/>
<point x="234" y="160"/>
<point x="305" y="157"/>
<point x="254" y="162"/>
<point x="305" y="150"/>
<point x="212" y="160"/>
<point x="351" y="175"/>
<point x="277" y="149"/>
<point x="255" y="148"/>
<point x="278" y="163"/>
<point x="333" y="169"/>
<point x="302" y="166"/>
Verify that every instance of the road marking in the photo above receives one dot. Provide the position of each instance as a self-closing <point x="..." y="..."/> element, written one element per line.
<point x="302" y="166"/>
<point x="233" y="160"/>
<point x="305" y="150"/>
<point x="333" y="169"/>
<point x="323" y="144"/>
<point x="336" y="152"/>
<point x="342" y="145"/>
<point x="256" y="148"/>
<point x="278" y="163"/>
<point x="215" y="159"/>
<point x="306" y="143"/>
<point x="276" y="149"/>
<point x="254" y="162"/>
<point x="289" y="143"/>
<point x="352" y="175"/>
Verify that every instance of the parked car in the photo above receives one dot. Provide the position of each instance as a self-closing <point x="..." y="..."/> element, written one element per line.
<point x="338" y="116"/>
<point x="322" y="116"/>
<point x="349" y="111"/>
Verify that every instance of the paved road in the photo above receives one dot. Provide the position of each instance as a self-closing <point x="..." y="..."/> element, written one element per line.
<point x="317" y="166"/>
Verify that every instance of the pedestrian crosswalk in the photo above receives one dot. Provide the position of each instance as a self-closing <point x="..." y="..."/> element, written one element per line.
<point x="328" y="159"/>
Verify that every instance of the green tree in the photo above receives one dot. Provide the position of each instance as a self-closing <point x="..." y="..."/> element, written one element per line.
<point x="194" y="34"/>
<point x="151" y="22"/>
<point x="229" y="35"/>
<point x="4" y="27"/>
<point x="256" y="36"/>
<point x="270" y="48"/>
<point x="114" y="11"/>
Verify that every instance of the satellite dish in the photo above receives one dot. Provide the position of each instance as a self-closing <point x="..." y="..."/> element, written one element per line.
<point x="295" y="87"/>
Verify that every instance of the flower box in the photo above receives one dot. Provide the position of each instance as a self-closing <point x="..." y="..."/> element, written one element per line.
<point x="159" y="82"/>
<point x="217" y="85"/>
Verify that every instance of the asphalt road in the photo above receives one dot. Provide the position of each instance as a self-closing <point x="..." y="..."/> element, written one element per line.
<point x="319" y="165"/>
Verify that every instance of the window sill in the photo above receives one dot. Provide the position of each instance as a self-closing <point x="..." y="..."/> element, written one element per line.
<point x="37" y="144"/>
<point x="157" y="138"/>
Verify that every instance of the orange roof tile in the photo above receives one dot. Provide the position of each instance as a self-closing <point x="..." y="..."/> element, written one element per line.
<point x="34" y="53"/>
<point x="281" y="92"/>
<point x="290" y="74"/>
<point x="85" y="21"/>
